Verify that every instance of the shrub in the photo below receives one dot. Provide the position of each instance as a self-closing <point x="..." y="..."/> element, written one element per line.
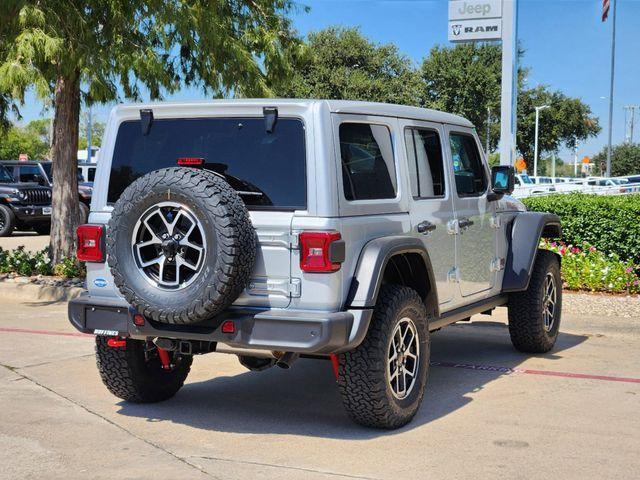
<point x="610" y="223"/>
<point x="584" y="267"/>
<point x="24" y="263"/>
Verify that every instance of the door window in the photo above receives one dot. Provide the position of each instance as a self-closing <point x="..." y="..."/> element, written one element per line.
<point x="471" y="179"/>
<point x="368" y="169"/>
<point x="426" y="166"/>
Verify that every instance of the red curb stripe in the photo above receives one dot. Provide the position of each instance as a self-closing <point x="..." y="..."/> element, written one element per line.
<point x="549" y="373"/>
<point x="45" y="332"/>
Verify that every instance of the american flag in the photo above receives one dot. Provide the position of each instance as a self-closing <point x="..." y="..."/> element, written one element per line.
<point x="605" y="9"/>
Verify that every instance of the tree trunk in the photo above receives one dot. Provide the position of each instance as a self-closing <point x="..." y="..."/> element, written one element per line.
<point x="64" y="155"/>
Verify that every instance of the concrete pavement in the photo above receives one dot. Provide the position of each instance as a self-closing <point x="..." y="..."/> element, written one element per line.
<point x="31" y="241"/>
<point x="489" y="411"/>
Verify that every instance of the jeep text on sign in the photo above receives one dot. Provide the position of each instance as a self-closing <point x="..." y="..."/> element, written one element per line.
<point x="475" y="30"/>
<point x="474" y="9"/>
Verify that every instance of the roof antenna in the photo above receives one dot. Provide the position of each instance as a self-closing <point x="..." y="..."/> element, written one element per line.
<point x="270" y="118"/>
<point x="146" y="120"/>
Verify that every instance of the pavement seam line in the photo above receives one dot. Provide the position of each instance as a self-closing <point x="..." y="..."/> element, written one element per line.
<point x="111" y="422"/>
<point x="288" y="467"/>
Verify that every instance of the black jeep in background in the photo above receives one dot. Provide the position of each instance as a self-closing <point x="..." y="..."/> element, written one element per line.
<point x="23" y="205"/>
<point x="40" y="173"/>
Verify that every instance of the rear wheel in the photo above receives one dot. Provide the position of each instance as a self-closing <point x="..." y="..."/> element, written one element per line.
<point x="134" y="372"/>
<point x="7" y="221"/>
<point x="383" y="380"/>
<point x="534" y="315"/>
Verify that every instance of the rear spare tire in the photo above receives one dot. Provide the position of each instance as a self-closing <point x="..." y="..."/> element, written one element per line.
<point x="180" y="245"/>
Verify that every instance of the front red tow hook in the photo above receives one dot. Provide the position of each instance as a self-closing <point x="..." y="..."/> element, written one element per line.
<point x="163" y="355"/>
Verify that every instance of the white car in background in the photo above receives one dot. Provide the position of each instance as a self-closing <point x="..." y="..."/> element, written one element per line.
<point x="526" y="187"/>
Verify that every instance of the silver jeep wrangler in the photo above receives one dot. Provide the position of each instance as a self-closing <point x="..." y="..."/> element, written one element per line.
<point x="272" y="229"/>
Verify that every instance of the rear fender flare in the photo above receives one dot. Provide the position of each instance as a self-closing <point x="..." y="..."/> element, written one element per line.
<point x="373" y="260"/>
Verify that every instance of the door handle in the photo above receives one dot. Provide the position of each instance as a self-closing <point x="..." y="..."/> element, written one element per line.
<point x="465" y="223"/>
<point x="425" y="227"/>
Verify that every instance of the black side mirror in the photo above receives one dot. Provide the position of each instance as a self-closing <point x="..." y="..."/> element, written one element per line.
<point x="503" y="179"/>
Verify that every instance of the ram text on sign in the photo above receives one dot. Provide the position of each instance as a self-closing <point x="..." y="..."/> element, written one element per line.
<point x="475" y="30"/>
<point x="474" y="9"/>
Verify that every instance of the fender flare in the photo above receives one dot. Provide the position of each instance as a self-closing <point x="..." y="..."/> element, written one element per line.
<point x="523" y="237"/>
<point x="373" y="260"/>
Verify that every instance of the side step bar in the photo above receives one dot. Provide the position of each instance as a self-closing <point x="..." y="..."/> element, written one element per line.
<point x="461" y="313"/>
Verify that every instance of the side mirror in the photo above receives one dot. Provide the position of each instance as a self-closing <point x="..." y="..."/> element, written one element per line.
<point x="503" y="180"/>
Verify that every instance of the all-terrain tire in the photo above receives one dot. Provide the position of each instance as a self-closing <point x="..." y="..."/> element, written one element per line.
<point x="7" y="221"/>
<point x="363" y="376"/>
<point x="526" y="309"/>
<point x="230" y="245"/>
<point x="133" y="373"/>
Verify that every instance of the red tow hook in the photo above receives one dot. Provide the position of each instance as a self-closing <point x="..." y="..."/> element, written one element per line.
<point x="115" y="342"/>
<point x="163" y="355"/>
<point x="335" y="364"/>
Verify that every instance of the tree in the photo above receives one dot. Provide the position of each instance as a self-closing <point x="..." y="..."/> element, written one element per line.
<point x="90" y="50"/>
<point x="16" y="140"/>
<point x="625" y="159"/>
<point x="340" y="63"/>
<point x="565" y="122"/>
<point x="466" y="80"/>
<point x="97" y="131"/>
<point x="41" y="128"/>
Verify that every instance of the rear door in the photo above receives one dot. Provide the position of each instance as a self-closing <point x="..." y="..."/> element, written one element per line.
<point x="475" y="228"/>
<point x="431" y="202"/>
<point x="267" y="169"/>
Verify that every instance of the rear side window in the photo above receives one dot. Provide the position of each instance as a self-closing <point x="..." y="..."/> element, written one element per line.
<point x="368" y="169"/>
<point x="469" y="173"/>
<point x="426" y="165"/>
<point x="268" y="170"/>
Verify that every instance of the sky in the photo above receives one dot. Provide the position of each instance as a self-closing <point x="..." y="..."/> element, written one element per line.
<point x="567" y="47"/>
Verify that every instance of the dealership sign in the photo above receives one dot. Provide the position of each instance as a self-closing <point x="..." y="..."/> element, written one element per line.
<point x="475" y="20"/>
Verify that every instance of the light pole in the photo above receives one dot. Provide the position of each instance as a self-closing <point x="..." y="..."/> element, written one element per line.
<point x="535" y="147"/>
<point x="488" y="122"/>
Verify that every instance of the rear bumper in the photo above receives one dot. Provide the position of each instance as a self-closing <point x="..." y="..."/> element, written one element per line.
<point x="283" y="330"/>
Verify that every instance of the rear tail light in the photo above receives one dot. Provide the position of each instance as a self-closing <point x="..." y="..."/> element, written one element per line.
<point x="321" y="251"/>
<point x="90" y="243"/>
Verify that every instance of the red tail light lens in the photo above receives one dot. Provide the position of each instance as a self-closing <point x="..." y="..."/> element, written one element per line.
<point x="90" y="243"/>
<point x="317" y="254"/>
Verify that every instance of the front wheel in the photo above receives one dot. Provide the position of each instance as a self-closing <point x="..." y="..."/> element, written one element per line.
<point x="134" y="372"/>
<point x="382" y="381"/>
<point x="7" y="221"/>
<point x="534" y="315"/>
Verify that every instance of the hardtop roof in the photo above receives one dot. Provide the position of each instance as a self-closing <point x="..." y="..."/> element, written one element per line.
<point x="334" y="106"/>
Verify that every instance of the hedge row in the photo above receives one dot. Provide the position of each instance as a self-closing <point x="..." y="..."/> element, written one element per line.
<point x="609" y="223"/>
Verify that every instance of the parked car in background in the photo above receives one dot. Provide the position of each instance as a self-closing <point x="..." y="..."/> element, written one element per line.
<point x="41" y="174"/>
<point x="87" y="171"/>
<point x="525" y="187"/>
<point x="23" y="205"/>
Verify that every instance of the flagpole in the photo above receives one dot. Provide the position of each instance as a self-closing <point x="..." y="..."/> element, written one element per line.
<point x="613" y="60"/>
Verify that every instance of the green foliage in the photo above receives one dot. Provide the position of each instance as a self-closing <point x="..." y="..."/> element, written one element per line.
<point x="465" y="80"/>
<point x="584" y="267"/>
<point x="610" y="223"/>
<point x="566" y="121"/>
<point x="17" y="140"/>
<point x="97" y="131"/>
<point x="24" y="263"/>
<point x="340" y="63"/>
<point x="69" y="268"/>
<point x="236" y="45"/>
<point x="625" y="159"/>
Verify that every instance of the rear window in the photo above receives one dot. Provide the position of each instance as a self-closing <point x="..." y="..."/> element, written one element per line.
<point x="268" y="170"/>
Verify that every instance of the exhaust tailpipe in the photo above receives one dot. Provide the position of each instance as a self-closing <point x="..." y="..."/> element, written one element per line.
<point x="286" y="359"/>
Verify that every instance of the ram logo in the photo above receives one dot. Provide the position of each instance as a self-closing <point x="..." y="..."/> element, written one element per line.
<point x="455" y="29"/>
